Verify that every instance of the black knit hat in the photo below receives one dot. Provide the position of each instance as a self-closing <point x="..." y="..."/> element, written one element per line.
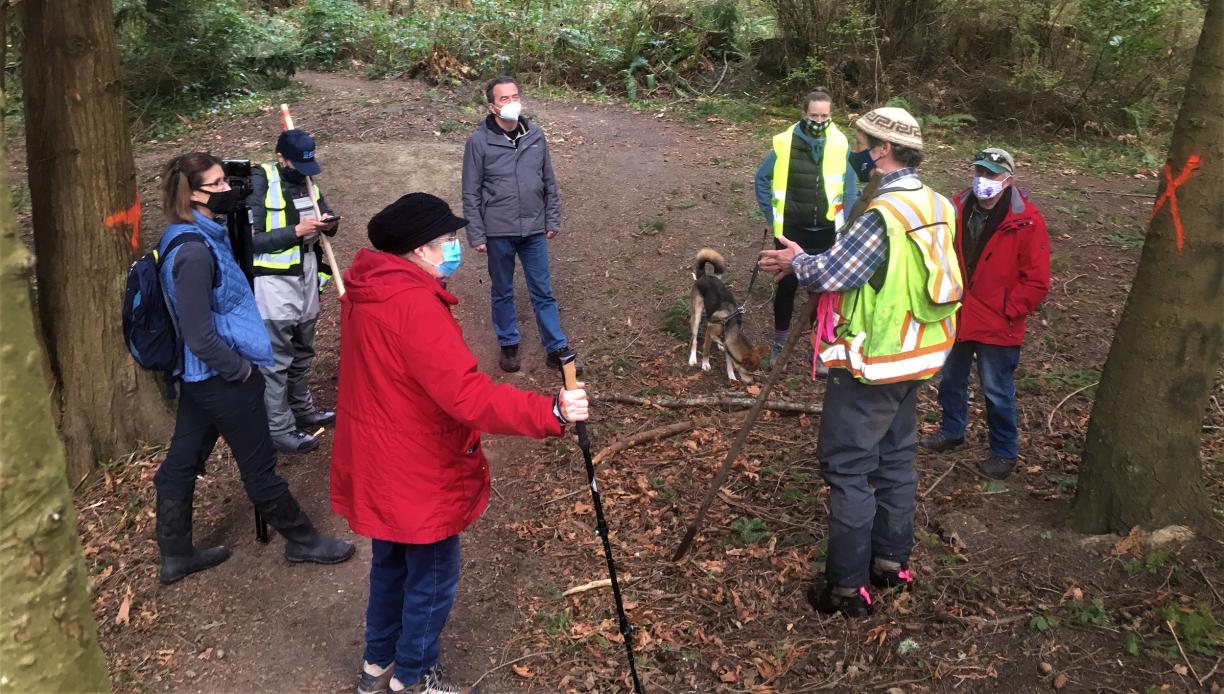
<point x="411" y="222"/>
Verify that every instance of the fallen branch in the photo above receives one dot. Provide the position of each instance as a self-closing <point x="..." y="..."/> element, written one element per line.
<point x="710" y="401"/>
<point x="642" y="437"/>
<point x="601" y="583"/>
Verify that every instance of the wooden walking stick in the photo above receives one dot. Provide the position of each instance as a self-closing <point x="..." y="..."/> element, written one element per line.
<point x="803" y="320"/>
<point x="323" y="240"/>
<point x="775" y="373"/>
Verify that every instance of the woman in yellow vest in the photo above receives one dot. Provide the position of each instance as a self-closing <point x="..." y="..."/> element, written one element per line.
<point x="886" y="324"/>
<point x="804" y="187"/>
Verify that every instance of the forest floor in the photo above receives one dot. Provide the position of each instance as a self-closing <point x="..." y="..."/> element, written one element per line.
<point x="1007" y="598"/>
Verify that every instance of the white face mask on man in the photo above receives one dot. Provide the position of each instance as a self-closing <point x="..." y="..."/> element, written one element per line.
<point x="985" y="188"/>
<point x="511" y="111"/>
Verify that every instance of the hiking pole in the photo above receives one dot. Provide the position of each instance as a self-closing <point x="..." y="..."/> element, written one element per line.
<point x="775" y="373"/>
<point x="323" y="240"/>
<point x="570" y="372"/>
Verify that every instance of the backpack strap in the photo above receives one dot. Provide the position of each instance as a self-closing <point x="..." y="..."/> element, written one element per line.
<point x="188" y="237"/>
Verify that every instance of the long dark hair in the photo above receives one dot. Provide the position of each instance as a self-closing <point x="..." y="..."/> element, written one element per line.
<point x="182" y="175"/>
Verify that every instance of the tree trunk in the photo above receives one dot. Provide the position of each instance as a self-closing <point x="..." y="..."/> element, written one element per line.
<point x="86" y="212"/>
<point x="50" y="641"/>
<point x="1141" y="460"/>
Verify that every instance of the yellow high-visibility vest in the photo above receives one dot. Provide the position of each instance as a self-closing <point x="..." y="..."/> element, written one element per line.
<point x="832" y="171"/>
<point x="290" y="259"/>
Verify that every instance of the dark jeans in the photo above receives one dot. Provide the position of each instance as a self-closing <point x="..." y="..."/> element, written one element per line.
<point x="784" y="293"/>
<point x="996" y="369"/>
<point x="533" y="252"/>
<point x="234" y="410"/>
<point x="868" y="437"/>
<point x="412" y="588"/>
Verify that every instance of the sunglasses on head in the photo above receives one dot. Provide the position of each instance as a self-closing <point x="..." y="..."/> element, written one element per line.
<point x="992" y="156"/>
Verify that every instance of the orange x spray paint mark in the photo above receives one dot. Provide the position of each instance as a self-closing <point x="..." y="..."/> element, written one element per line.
<point x="1170" y="195"/>
<point x="131" y="218"/>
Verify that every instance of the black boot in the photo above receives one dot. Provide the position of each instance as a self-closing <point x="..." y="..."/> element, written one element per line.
<point x="179" y="556"/>
<point x="302" y="541"/>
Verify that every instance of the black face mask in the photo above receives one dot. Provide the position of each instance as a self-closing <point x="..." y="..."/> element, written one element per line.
<point x="224" y="202"/>
<point x="292" y="175"/>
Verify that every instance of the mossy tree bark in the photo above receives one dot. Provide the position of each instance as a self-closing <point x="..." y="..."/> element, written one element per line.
<point x="49" y="642"/>
<point x="86" y="213"/>
<point x="1141" y="461"/>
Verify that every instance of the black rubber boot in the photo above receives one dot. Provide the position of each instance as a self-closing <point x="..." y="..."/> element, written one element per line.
<point x="509" y="359"/>
<point x="302" y="541"/>
<point x="179" y="556"/>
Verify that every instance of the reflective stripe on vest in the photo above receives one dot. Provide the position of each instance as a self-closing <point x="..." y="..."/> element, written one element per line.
<point x="832" y="172"/>
<point x="276" y="218"/>
<point x="904" y="331"/>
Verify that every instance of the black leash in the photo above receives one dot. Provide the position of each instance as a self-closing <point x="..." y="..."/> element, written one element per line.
<point x="756" y="271"/>
<point x="570" y="372"/>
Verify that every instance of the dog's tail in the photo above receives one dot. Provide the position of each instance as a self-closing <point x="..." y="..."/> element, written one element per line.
<point x="711" y="256"/>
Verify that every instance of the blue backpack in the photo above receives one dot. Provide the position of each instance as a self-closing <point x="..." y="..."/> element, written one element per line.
<point x="149" y="329"/>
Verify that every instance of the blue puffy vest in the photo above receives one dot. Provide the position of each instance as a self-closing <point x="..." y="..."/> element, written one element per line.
<point x="234" y="312"/>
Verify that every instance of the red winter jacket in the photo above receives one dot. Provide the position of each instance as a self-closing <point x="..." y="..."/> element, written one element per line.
<point x="1012" y="274"/>
<point x="407" y="464"/>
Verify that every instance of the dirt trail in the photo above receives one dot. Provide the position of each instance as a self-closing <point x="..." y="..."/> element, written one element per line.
<point x="641" y="192"/>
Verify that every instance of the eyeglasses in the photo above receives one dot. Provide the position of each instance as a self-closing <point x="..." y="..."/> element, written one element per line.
<point x="213" y="185"/>
<point x="442" y="240"/>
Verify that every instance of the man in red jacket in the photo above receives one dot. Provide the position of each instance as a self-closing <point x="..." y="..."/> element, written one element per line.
<point x="1004" y="252"/>
<point x="407" y="468"/>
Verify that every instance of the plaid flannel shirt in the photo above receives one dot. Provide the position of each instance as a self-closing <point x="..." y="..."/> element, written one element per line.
<point x="855" y="255"/>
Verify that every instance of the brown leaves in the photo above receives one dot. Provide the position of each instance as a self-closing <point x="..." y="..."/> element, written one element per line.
<point x="125" y="607"/>
<point x="524" y="670"/>
<point x="1132" y="544"/>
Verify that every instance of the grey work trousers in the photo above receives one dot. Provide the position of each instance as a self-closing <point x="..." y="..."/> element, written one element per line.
<point x="287" y="392"/>
<point x="868" y="438"/>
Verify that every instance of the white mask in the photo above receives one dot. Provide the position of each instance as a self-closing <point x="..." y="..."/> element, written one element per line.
<point x="511" y="111"/>
<point x="985" y="189"/>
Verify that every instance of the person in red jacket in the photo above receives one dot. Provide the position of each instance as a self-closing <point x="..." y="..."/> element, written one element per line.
<point x="1004" y="252"/>
<point x="407" y="468"/>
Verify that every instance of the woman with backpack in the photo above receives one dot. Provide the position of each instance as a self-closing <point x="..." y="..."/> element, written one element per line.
<point x="221" y="391"/>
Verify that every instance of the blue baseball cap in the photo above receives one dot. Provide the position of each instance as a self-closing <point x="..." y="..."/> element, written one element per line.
<point x="299" y="148"/>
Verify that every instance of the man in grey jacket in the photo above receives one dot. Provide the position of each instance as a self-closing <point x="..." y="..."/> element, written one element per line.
<point x="510" y="201"/>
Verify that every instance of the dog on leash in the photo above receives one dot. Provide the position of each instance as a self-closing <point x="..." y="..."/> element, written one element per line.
<point x="712" y="301"/>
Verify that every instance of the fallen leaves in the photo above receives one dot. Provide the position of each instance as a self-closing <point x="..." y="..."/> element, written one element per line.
<point x="524" y="670"/>
<point x="1132" y="544"/>
<point x="125" y="607"/>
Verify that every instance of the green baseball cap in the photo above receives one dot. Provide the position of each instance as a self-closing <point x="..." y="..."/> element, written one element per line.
<point x="995" y="159"/>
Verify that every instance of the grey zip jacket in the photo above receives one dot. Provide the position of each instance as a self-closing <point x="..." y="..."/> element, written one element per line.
<point x="508" y="190"/>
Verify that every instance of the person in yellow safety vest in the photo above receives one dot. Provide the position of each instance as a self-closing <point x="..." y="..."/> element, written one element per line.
<point x="805" y="188"/>
<point x="289" y="273"/>
<point x="885" y="325"/>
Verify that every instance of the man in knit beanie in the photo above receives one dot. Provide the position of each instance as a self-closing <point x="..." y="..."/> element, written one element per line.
<point x="885" y="324"/>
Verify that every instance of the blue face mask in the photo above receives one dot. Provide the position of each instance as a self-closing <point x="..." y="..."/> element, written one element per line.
<point x="862" y="163"/>
<point x="452" y="253"/>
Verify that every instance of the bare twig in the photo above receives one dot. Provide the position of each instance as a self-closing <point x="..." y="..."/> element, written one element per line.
<point x="1173" y="631"/>
<point x="724" y="400"/>
<point x="508" y="662"/>
<point x="935" y="484"/>
<point x="1077" y="391"/>
<point x="642" y="437"/>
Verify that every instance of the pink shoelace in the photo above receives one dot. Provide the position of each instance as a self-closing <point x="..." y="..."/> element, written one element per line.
<point x="863" y="592"/>
<point x="905" y="575"/>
